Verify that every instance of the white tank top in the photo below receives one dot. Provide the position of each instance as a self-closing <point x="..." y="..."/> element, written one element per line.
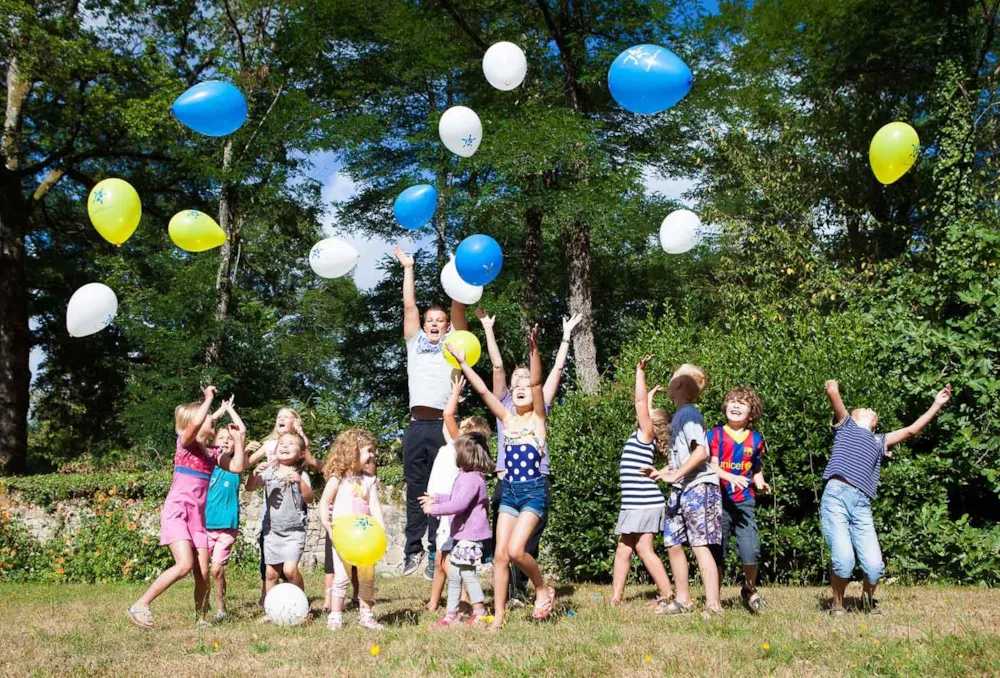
<point x="428" y="373"/>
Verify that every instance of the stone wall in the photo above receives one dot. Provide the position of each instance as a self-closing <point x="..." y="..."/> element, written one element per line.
<point x="64" y="517"/>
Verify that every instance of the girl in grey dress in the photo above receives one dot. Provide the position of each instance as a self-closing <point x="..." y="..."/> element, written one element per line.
<point x="287" y="492"/>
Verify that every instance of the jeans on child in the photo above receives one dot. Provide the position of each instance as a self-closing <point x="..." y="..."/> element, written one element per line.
<point x="845" y="514"/>
<point x="740" y="518"/>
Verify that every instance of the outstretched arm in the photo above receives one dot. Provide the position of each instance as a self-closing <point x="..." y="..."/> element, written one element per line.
<point x="459" y="321"/>
<point x="451" y="410"/>
<point x="229" y="406"/>
<point x="833" y="393"/>
<point x="907" y="432"/>
<point x="535" y="374"/>
<point x="496" y="358"/>
<point x="237" y="461"/>
<point x="411" y="316"/>
<point x="494" y="405"/>
<point x="555" y="376"/>
<point x="642" y="402"/>
<point x="325" y="501"/>
<point x="190" y="434"/>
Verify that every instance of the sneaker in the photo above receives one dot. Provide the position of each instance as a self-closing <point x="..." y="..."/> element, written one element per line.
<point x="450" y="619"/>
<point x="367" y="621"/>
<point x="429" y="570"/>
<point x="335" y="621"/>
<point x="220" y="617"/>
<point x="411" y="564"/>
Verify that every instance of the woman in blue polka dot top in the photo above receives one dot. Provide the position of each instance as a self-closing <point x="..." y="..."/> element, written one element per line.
<point x="523" y="503"/>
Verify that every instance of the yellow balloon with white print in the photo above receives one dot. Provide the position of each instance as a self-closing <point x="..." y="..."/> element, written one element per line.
<point x="195" y="231"/>
<point x="465" y="341"/>
<point x="359" y="539"/>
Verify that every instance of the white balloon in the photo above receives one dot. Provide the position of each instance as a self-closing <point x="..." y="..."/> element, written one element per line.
<point x="286" y="605"/>
<point x="504" y="65"/>
<point x="679" y="231"/>
<point x="460" y="130"/>
<point x="333" y="257"/>
<point x="91" y="309"/>
<point x="456" y="288"/>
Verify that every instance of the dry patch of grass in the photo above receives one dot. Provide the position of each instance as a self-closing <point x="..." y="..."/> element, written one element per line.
<point x="82" y="630"/>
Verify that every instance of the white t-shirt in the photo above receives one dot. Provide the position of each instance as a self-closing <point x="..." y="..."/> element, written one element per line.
<point x="444" y="472"/>
<point x="428" y="373"/>
<point x="687" y="430"/>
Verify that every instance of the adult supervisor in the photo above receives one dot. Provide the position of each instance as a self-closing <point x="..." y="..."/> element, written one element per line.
<point x="429" y="378"/>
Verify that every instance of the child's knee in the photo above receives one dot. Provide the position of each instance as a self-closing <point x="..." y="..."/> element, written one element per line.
<point x="218" y="570"/>
<point x="271" y="574"/>
<point x="340" y="584"/>
<point x="842" y="563"/>
<point x="290" y="570"/>
<point x="872" y="566"/>
<point x="501" y="557"/>
<point x="516" y="553"/>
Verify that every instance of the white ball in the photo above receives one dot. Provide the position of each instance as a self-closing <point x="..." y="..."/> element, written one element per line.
<point x="461" y="131"/>
<point x="333" y="258"/>
<point x="679" y="231"/>
<point x="286" y="605"/>
<point x="505" y="66"/>
<point x="91" y="309"/>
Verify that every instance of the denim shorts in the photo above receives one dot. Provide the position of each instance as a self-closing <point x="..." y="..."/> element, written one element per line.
<point x="527" y="495"/>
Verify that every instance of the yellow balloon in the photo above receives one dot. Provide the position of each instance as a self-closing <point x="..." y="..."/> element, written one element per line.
<point x="467" y="342"/>
<point x="359" y="539"/>
<point x="195" y="231"/>
<point x="114" y="209"/>
<point x="893" y="151"/>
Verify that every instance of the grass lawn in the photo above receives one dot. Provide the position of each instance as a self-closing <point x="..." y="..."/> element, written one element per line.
<point x="927" y="631"/>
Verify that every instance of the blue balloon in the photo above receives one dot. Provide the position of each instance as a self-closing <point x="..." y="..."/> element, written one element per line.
<point x="649" y="79"/>
<point x="415" y="206"/>
<point x="213" y="108"/>
<point x="478" y="259"/>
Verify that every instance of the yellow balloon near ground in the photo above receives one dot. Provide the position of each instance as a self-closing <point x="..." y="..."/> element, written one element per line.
<point x="893" y="151"/>
<point x="466" y="341"/>
<point x="195" y="231"/>
<point x="114" y="209"/>
<point x="359" y="539"/>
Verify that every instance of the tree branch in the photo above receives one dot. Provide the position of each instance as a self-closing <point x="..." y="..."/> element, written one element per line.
<point x="51" y="180"/>
<point x="239" y="35"/>
<point x="450" y="9"/>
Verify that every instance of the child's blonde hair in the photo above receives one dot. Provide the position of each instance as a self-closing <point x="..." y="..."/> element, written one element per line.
<point x="661" y="429"/>
<point x="691" y="374"/>
<point x="476" y="425"/>
<point x="274" y="431"/>
<point x="472" y="453"/>
<point x="184" y="415"/>
<point x="345" y="455"/>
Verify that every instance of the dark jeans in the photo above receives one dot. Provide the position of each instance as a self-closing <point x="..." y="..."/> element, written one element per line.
<point x="421" y="443"/>
<point x="739" y="518"/>
<point x="518" y="582"/>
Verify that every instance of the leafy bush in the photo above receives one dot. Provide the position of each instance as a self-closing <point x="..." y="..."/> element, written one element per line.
<point x="21" y="557"/>
<point x="45" y="490"/>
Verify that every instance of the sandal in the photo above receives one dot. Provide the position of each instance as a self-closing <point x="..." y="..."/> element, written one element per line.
<point x="752" y="599"/>
<point x="674" y="607"/>
<point x="545" y="611"/>
<point x="870" y="606"/>
<point x="656" y="602"/>
<point x="141" y="616"/>
<point x="615" y="602"/>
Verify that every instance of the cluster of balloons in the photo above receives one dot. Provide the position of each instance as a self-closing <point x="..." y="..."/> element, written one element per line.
<point x="213" y="108"/>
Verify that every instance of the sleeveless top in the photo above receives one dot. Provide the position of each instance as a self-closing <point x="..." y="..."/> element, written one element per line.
<point x="523" y="452"/>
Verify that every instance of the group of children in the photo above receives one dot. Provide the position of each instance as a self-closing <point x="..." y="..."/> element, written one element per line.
<point x="714" y="477"/>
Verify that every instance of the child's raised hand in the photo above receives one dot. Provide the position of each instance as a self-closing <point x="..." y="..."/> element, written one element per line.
<point x="644" y="361"/>
<point x="832" y="386"/>
<point x="486" y="320"/>
<point x="533" y="338"/>
<point x="569" y="324"/>
<point x="253" y="446"/>
<point x="209" y="392"/>
<point x="227" y="404"/>
<point x="261" y="467"/>
<point x="235" y="431"/>
<point x="456" y="351"/>
<point x="457" y="384"/>
<point x="402" y="257"/>
<point x="656" y="389"/>
<point x="943" y="396"/>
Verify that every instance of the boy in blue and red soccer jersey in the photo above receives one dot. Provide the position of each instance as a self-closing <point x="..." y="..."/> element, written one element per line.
<point x="736" y="456"/>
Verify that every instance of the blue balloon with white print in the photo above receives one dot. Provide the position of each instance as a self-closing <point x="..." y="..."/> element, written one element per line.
<point x="649" y="79"/>
<point x="478" y="259"/>
<point x="414" y="207"/>
<point x="213" y="108"/>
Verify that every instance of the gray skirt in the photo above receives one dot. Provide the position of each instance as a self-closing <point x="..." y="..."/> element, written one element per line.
<point x="284" y="544"/>
<point x="641" y="521"/>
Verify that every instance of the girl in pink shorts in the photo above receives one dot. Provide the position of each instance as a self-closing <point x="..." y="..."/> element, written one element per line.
<point x="182" y="519"/>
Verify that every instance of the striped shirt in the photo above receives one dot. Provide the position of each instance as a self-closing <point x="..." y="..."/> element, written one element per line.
<point x="638" y="491"/>
<point x="857" y="456"/>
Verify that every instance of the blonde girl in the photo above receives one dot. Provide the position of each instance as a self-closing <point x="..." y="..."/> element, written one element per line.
<point x="348" y="491"/>
<point x="182" y="519"/>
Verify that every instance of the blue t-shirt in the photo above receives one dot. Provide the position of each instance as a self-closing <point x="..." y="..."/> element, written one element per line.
<point x="857" y="456"/>
<point x="222" y="510"/>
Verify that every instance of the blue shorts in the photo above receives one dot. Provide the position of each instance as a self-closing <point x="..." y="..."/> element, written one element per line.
<point x="527" y="495"/>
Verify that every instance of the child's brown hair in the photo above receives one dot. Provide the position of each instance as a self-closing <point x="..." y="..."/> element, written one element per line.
<point x="747" y="396"/>
<point x="661" y="429"/>
<point x="300" y="465"/>
<point x="476" y="425"/>
<point x="472" y="453"/>
<point x="345" y="455"/>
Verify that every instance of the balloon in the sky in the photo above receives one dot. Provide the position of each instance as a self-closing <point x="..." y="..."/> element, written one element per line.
<point x="114" y="210"/>
<point x="213" y="108"/>
<point x="195" y="231"/>
<point x="893" y="151"/>
<point x="469" y="344"/>
<point x="679" y="231"/>
<point x="504" y="65"/>
<point x="460" y="130"/>
<point x="415" y="206"/>
<point x="478" y="259"/>
<point x="456" y="288"/>
<point x="333" y="258"/>
<point x="649" y="79"/>
<point x="91" y="309"/>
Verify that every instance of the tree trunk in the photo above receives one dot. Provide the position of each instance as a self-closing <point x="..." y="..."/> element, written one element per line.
<point x="15" y="338"/>
<point x="577" y="239"/>
<point x="532" y="264"/>
<point x="231" y="221"/>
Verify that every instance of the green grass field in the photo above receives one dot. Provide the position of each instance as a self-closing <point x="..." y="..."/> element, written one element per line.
<point x="82" y="630"/>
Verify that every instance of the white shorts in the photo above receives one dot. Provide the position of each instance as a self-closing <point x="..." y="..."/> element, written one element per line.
<point x="442" y="539"/>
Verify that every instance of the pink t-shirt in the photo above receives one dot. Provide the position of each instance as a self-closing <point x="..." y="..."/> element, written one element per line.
<point x="353" y="495"/>
<point x="195" y="457"/>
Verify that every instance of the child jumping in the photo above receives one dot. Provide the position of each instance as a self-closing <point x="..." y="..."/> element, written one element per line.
<point x="524" y="502"/>
<point x="470" y="524"/>
<point x="643" y="510"/>
<point x="736" y="456"/>
<point x="852" y="476"/>
<point x="287" y="493"/>
<point x="693" y="510"/>
<point x="182" y="518"/>
<point x="349" y="492"/>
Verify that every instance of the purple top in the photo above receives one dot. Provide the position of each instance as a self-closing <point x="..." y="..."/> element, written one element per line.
<point x="467" y="506"/>
<point x="508" y="402"/>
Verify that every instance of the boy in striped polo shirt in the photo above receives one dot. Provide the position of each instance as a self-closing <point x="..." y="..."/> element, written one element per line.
<point x="852" y="479"/>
